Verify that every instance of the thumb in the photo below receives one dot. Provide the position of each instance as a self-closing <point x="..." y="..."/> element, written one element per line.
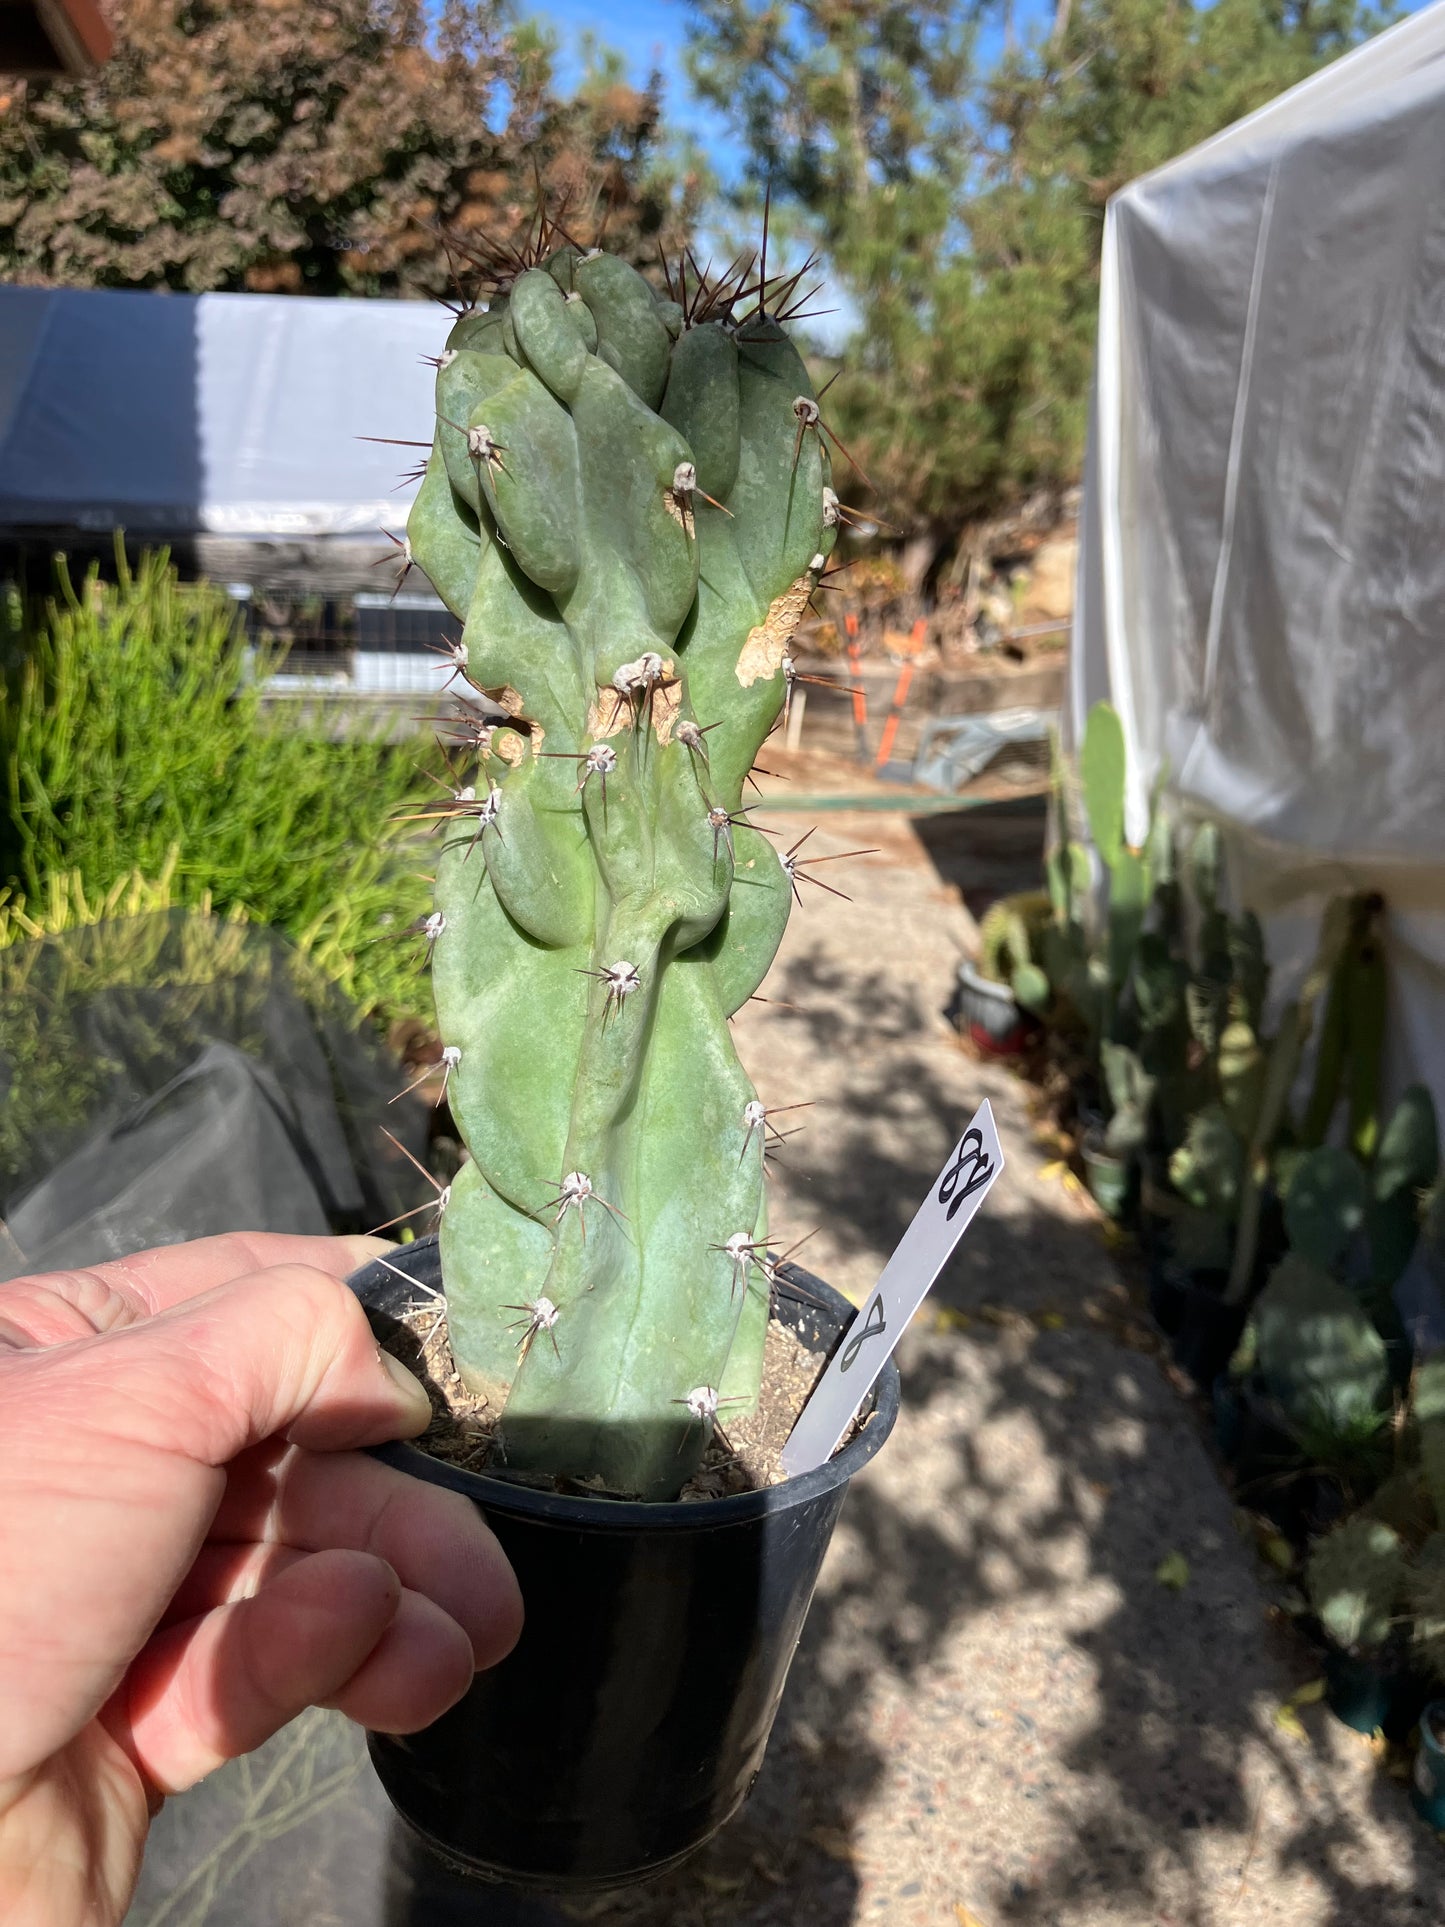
<point x="286" y="1351"/>
<point x="110" y="1457"/>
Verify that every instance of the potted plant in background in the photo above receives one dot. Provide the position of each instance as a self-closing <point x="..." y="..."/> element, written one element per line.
<point x="1427" y="1791"/>
<point x="628" y="501"/>
<point x="1001" y="995"/>
<point x="1094" y="979"/>
<point x="1224" y="1230"/>
<point x="1355" y="1579"/>
<point x="1376" y="1584"/>
<point x="1325" y="1357"/>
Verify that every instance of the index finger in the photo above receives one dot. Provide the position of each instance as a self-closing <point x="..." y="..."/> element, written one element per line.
<point x="50" y="1308"/>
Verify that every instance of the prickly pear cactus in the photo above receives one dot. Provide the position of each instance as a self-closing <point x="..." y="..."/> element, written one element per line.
<point x="1103" y="769"/>
<point x="1406" y="1164"/>
<point x="1425" y="1596"/>
<point x="1319" y="1356"/>
<point x="1008" y="937"/>
<point x="1325" y="1205"/>
<point x="629" y="506"/>
<point x="1355" y="1578"/>
<point x="1427" y="1409"/>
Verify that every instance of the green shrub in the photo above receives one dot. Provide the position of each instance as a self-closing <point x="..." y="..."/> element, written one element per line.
<point x="134" y="738"/>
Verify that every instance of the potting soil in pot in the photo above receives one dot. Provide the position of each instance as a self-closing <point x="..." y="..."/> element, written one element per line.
<point x="744" y="1454"/>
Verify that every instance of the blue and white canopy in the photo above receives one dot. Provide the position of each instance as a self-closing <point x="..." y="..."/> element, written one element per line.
<point x="224" y="414"/>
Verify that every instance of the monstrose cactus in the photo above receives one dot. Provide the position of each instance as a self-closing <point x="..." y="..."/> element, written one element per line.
<point x="628" y="504"/>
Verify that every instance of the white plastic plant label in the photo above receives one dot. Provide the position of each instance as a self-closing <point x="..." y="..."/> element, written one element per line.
<point x="908" y="1277"/>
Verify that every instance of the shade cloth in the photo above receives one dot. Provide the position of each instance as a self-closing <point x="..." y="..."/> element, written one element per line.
<point x="1262" y="562"/>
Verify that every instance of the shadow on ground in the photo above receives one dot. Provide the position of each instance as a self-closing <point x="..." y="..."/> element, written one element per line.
<point x="988" y="851"/>
<point x="995" y="1704"/>
<point x="1042" y="1459"/>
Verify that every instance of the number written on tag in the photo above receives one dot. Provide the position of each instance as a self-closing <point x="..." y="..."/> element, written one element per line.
<point x="972" y="1158"/>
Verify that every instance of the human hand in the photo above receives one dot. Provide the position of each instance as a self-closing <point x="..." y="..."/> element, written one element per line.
<point x="192" y="1551"/>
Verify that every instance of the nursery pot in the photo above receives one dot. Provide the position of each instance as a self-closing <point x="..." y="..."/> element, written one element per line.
<point x="989" y="1014"/>
<point x="629" y="1722"/>
<point x="1158" y="1207"/>
<point x="1109" y="1177"/>
<point x="1378" y="1690"/>
<point x="1189" y="1308"/>
<point x="1428" y="1790"/>
<point x="1360" y="1689"/>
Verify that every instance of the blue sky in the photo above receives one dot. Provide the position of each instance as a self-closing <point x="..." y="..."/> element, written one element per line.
<point x="652" y="33"/>
<point x="648" y="34"/>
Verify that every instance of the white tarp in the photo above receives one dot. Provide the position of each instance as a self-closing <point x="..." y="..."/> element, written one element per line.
<point x="221" y="414"/>
<point x="1262" y="564"/>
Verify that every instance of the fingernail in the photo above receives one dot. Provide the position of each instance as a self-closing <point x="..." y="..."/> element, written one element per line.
<point x="419" y="1405"/>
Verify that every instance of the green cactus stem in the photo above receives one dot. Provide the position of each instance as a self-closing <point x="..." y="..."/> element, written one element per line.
<point x="1009" y="938"/>
<point x="1249" y="969"/>
<point x="1207" y="1169"/>
<point x="629" y="508"/>
<point x="1325" y="1205"/>
<point x="1131" y="1092"/>
<point x="1285" y="1053"/>
<point x="1427" y="1410"/>
<point x="1425" y="1596"/>
<point x="1406" y="1165"/>
<point x="1367" y="1044"/>
<point x="1103" y="769"/>
<point x="1320" y="1358"/>
<point x="1352" y="1029"/>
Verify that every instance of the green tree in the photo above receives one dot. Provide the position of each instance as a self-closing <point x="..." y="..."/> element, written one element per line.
<point x="960" y="199"/>
<point x="314" y="146"/>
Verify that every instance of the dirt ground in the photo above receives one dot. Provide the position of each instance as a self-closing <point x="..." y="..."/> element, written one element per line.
<point x="998" y="1713"/>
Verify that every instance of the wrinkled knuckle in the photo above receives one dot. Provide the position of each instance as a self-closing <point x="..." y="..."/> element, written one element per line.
<point x="310" y="1280"/>
<point x="322" y="1298"/>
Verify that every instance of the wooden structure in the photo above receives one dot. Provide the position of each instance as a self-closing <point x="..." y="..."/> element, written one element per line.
<point x="52" y="39"/>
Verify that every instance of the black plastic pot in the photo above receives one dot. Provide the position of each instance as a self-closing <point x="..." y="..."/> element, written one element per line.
<point x="1273" y="1474"/>
<point x="1111" y="1179"/>
<point x="630" y="1721"/>
<point x="1158" y="1209"/>
<point x="1376" y="1691"/>
<point x="1189" y="1308"/>
<point x="1428" y="1790"/>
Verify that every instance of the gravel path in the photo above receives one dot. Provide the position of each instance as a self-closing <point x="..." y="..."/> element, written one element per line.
<point x="998" y="1714"/>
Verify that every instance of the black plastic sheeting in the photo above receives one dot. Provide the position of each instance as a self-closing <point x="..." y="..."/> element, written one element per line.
<point x="166" y="1078"/>
<point x="172" y="1076"/>
<point x="169" y="1077"/>
<point x="300" y="1835"/>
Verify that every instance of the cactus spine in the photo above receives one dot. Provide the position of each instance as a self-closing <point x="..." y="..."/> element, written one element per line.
<point x="628" y="506"/>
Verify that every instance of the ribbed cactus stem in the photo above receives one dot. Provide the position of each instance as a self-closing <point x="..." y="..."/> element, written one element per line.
<point x="629" y="514"/>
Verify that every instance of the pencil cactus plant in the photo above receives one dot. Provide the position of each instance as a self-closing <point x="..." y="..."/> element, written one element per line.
<point x="628" y="504"/>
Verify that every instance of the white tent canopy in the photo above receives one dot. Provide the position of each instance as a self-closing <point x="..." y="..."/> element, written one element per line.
<point x="235" y="415"/>
<point x="1262" y="566"/>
